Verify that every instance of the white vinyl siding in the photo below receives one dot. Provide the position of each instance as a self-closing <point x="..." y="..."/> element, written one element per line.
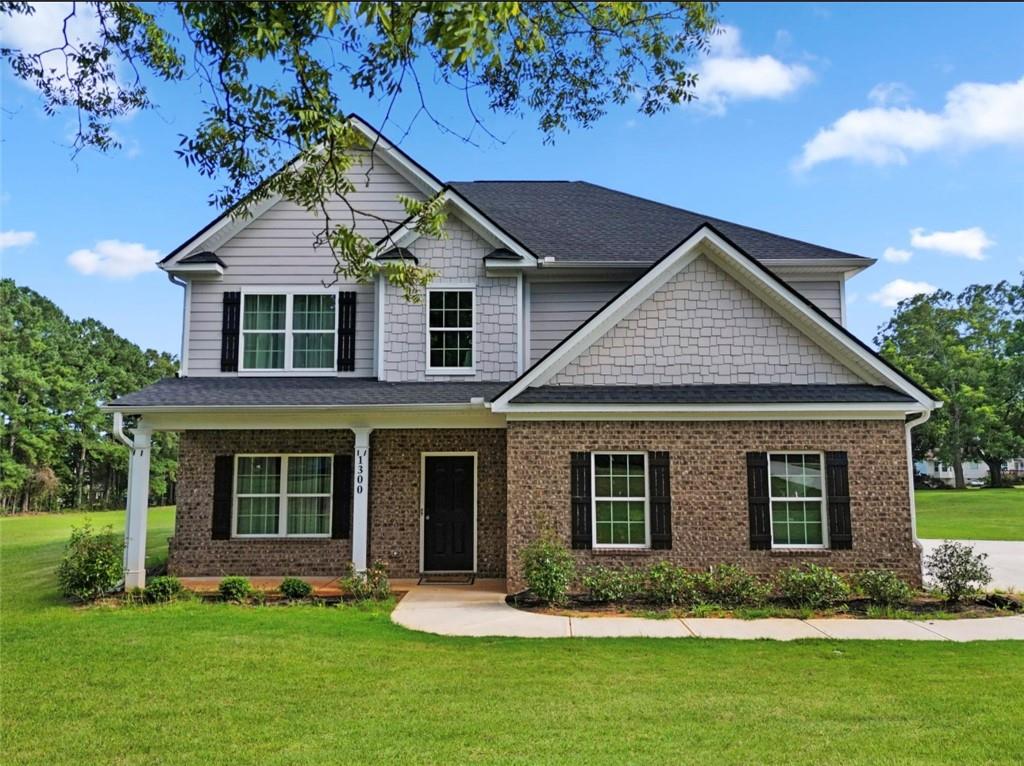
<point x="558" y="308"/>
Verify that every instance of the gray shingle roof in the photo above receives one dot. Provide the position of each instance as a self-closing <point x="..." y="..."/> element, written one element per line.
<point x="204" y="257"/>
<point x="299" y="392"/>
<point x="711" y="394"/>
<point x="580" y="221"/>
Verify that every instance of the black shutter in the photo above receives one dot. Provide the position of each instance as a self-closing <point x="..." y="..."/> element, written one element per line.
<point x="758" y="501"/>
<point x="229" y="332"/>
<point x="579" y="481"/>
<point x="837" y="484"/>
<point x="223" y="484"/>
<point x="661" y="500"/>
<point x="346" y="332"/>
<point x="341" y="508"/>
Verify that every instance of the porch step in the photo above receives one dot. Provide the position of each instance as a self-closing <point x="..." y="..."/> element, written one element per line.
<point x="447" y="578"/>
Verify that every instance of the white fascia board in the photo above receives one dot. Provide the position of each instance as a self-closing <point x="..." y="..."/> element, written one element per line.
<point x="722" y="411"/>
<point x="192" y="270"/>
<point x="708" y="241"/>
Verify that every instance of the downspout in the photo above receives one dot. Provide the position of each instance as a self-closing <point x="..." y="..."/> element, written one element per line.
<point x="122" y="437"/>
<point x="182" y="360"/>
<point x="910" y="425"/>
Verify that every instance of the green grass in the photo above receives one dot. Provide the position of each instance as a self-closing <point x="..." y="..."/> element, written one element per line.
<point x="193" y="683"/>
<point x="970" y="514"/>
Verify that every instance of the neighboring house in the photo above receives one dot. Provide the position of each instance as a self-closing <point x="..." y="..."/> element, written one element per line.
<point x="973" y="470"/>
<point x="640" y="381"/>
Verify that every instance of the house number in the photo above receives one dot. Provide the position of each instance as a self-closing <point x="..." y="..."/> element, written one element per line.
<point x="361" y="455"/>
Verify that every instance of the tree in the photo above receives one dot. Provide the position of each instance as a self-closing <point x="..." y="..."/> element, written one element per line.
<point x="273" y="77"/>
<point x="968" y="349"/>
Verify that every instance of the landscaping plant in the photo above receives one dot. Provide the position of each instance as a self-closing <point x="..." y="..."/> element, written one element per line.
<point x="730" y="586"/>
<point x="957" y="570"/>
<point x="549" y="568"/>
<point x="666" y="583"/>
<point x="163" y="588"/>
<point x="884" y="588"/>
<point x="371" y="585"/>
<point x="93" y="563"/>
<point x="812" y="586"/>
<point x="236" y="589"/>
<point x="295" y="589"/>
<point x="612" y="584"/>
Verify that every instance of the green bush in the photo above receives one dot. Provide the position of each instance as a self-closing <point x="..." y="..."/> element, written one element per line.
<point x="549" y="568"/>
<point x="163" y="588"/>
<point x="957" y="570"/>
<point x="666" y="583"/>
<point x="294" y="588"/>
<point x="93" y="563"/>
<point x="611" y="584"/>
<point x="883" y="588"/>
<point x="812" y="586"/>
<point x="730" y="586"/>
<point x="236" y="589"/>
<point x="371" y="585"/>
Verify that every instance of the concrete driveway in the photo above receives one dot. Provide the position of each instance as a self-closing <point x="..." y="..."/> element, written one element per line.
<point x="1005" y="559"/>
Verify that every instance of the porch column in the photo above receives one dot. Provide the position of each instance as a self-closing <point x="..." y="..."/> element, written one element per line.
<point x="360" y="497"/>
<point x="138" y="509"/>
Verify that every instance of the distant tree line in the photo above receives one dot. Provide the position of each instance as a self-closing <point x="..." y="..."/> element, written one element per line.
<point x="56" y="448"/>
<point x="968" y="350"/>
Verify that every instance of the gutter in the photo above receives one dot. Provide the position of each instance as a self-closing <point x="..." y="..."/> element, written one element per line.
<point x="182" y="359"/>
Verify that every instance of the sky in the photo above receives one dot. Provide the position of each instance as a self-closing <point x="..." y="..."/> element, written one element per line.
<point x="894" y="132"/>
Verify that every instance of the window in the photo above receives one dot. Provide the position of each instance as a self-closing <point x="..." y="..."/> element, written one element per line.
<point x="278" y="495"/>
<point x="450" y="330"/>
<point x="288" y="332"/>
<point x="620" y="500"/>
<point x="797" y="500"/>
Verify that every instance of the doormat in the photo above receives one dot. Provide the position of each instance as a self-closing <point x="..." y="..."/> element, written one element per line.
<point x="447" y="578"/>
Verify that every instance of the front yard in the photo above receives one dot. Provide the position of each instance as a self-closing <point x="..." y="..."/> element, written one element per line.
<point x="201" y="683"/>
<point x="970" y="514"/>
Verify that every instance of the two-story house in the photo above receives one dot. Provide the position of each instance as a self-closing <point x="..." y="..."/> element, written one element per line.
<point x="640" y="381"/>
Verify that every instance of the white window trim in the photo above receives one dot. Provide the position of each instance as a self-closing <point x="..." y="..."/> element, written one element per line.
<point x="594" y="498"/>
<point x="823" y="545"/>
<point x="452" y="288"/>
<point x="289" y="296"/>
<point x="282" y="495"/>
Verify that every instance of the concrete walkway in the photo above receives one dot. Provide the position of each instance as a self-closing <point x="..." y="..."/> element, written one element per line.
<point x="480" y="610"/>
<point x="1005" y="559"/>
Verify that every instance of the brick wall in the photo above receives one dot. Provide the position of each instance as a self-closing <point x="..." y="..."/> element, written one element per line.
<point x="709" y="495"/>
<point x="394" y="502"/>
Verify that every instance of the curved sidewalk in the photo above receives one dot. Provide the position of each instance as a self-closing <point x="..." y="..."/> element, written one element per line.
<point x="480" y="610"/>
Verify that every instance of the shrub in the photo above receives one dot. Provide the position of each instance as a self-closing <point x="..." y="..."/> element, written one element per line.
<point x="236" y="589"/>
<point x="730" y="586"/>
<point x="294" y="588"/>
<point x="163" y="588"/>
<point x="372" y="584"/>
<point x="812" y="586"/>
<point x="883" y="588"/>
<point x="608" y="584"/>
<point x="93" y="563"/>
<point x="548" y="568"/>
<point x="957" y="569"/>
<point x="666" y="583"/>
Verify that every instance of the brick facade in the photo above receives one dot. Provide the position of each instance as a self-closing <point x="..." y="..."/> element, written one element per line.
<point x="394" y="502"/>
<point x="709" y="496"/>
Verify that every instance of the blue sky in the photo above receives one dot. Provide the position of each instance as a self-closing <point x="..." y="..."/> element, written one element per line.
<point x="895" y="132"/>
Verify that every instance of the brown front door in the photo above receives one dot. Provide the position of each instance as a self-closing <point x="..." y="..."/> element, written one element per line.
<point x="448" y="486"/>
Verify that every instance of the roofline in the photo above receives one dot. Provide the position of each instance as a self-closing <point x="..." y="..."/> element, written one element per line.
<point x="211" y="408"/>
<point x="722" y="408"/>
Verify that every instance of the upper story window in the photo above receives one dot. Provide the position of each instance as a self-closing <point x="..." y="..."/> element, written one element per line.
<point x="797" y="500"/>
<point x="288" y="332"/>
<point x="450" y="321"/>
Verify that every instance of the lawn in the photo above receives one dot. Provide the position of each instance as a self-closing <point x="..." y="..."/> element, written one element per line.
<point x="215" y="684"/>
<point x="970" y="514"/>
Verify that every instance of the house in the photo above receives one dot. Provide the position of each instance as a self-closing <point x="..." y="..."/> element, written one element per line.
<point x="642" y="382"/>
<point x="975" y="471"/>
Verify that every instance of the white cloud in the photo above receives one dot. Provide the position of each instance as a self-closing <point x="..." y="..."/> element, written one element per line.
<point x="11" y="238"/>
<point x="967" y="243"/>
<point x="114" y="259"/>
<point x="975" y="114"/>
<point x="895" y="255"/>
<point x="43" y="29"/>
<point x="889" y="93"/>
<point x="727" y="74"/>
<point x="900" y="289"/>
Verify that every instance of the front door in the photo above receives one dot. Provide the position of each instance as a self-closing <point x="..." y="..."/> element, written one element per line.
<point x="448" y="489"/>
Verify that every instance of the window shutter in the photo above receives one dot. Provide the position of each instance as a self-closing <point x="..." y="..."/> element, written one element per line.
<point x="223" y="485"/>
<point x="661" y="500"/>
<point x="341" y="505"/>
<point x="758" y="501"/>
<point x="346" y="331"/>
<point x="230" y="322"/>
<point x="579" y="473"/>
<point x="837" y="487"/>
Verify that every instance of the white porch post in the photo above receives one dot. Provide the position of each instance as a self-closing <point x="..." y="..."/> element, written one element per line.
<point x="138" y="508"/>
<point x="360" y="497"/>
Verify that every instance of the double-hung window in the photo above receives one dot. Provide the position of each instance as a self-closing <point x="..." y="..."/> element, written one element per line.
<point x="283" y="495"/>
<point x="288" y="332"/>
<point x="450" y="331"/>
<point x="620" y="500"/>
<point x="797" y="500"/>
